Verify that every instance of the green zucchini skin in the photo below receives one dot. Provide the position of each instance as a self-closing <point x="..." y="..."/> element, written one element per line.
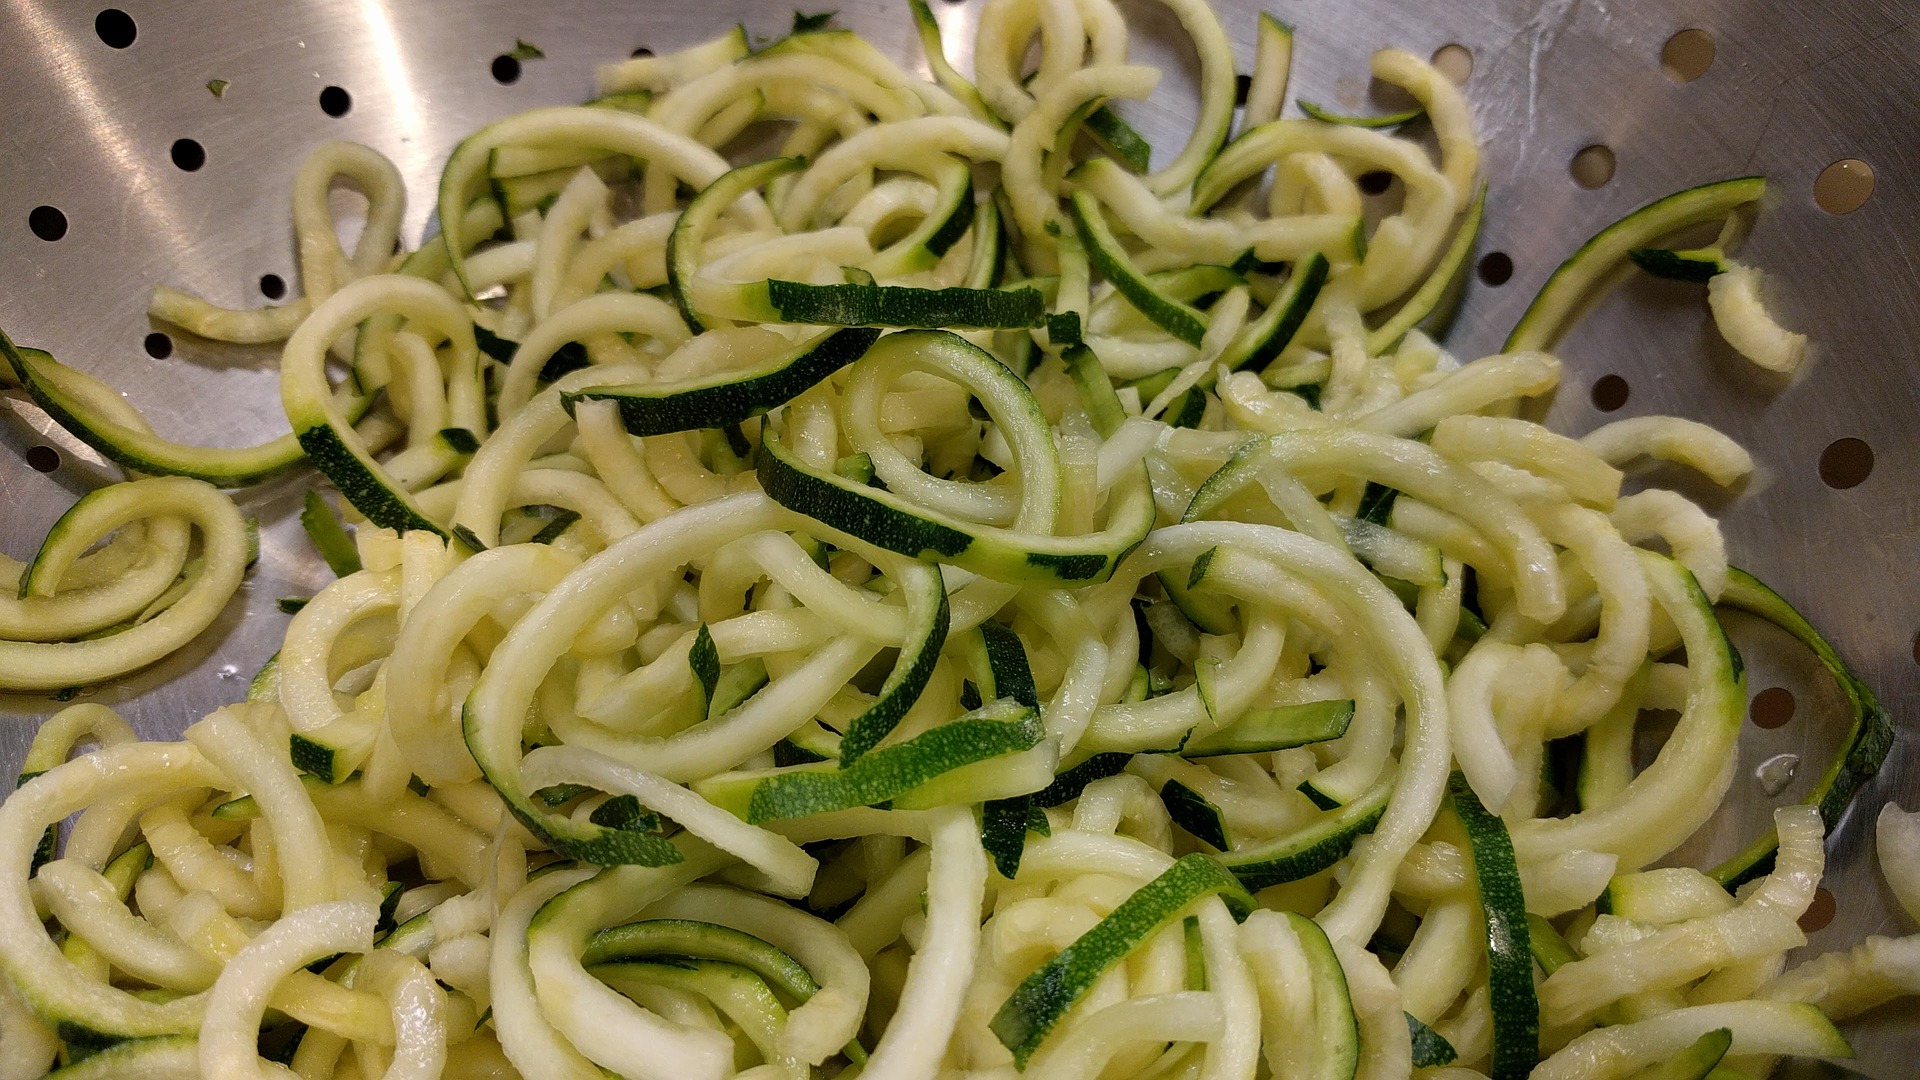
<point x="996" y="729"/>
<point x="887" y="520"/>
<point x="582" y="841"/>
<point x="1194" y="813"/>
<point x="1304" y="853"/>
<point x="683" y="243"/>
<point x="1038" y="1004"/>
<point x="1863" y="751"/>
<point x="1423" y="307"/>
<point x="1384" y="120"/>
<point x="360" y="482"/>
<point x="1556" y="305"/>
<point x="1550" y="950"/>
<point x="664" y="408"/>
<point x="328" y="535"/>
<point x="159" y="1055"/>
<point x="1338" y="1034"/>
<point x="142" y="451"/>
<point x="319" y="757"/>
<point x="1696" y="1062"/>
<point x="932" y="617"/>
<point x="904" y="306"/>
<point x="1110" y="259"/>
<point x="1265" y="730"/>
<point x="1274" y="330"/>
<point x="1071" y="781"/>
<point x="1120" y="138"/>
<point x="672" y="938"/>
<point x="1516" y="1006"/>
<point x="1430" y="1048"/>
<point x="1698" y="266"/>
<point x="1096" y="391"/>
<point x="1005" y="823"/>
<point x="952" y="216"/>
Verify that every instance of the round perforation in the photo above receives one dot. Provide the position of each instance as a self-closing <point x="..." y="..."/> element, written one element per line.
<point x="1846" y="463"/>
<point x="506" y="70"/>
<point x="1495" y="268"/>
<point x="335" y="101"/>
<point x="47" y="222"/>
<point x="158" y="345"/>
<point x="43" y="458"/>
<point x="1820" y="912"/>
<point x="1610" y="392"/>
<point x="1771" y="708"/>
<point x="1593" y="166"/>
<point x="1844" y="186"/>
<point x="188" y="155"/>
<point x="116" y="28"/>
<point x="1687" y="55"/>
<point x="272" y="286"/>
<point x="1455" y="61"/>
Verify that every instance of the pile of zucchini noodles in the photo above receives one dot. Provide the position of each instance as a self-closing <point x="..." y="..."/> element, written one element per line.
<point x="943" y="599"/>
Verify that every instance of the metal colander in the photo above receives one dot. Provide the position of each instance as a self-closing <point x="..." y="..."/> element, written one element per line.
<point x="157" y="142"/>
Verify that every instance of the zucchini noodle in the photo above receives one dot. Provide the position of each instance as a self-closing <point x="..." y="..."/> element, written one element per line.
<point x="100" y="628"/>
<point x="947" y="601"/>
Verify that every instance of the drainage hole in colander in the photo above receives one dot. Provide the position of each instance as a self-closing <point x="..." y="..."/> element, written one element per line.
<point x="115" y="28"/>
<point x="1843" y="186"/>
<point x="1375" y="182"/>
<point x="1846" y="463"/>
<point x="43" y="458"/>
<point x="506" y="70"/>
<point x="1610" y="392"/>
<point x="335" y="101"/>
<point x="272" y="286"/>
<point x="188" y="155"/>
<point x="641" y="52"/>
<point x="1455" y="61"/>
<point x="1687" y="55"/>
<point x="47" y="222"/>
<point x="1593" y="166"/>
<point x="1771" y="708"/>
<point x="158" y="345"/>
<point x="1820" y="912"/>
<point x="1495" y="268"/>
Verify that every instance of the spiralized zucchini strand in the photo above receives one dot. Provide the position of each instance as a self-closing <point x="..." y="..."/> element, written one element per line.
<point x="943" y="601"/>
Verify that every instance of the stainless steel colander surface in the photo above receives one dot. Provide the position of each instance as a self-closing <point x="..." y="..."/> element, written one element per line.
<point x="152" y="177"/>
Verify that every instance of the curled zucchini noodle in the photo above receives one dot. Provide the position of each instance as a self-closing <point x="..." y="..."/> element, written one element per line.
<point x="82" y="617"/>
<point x="951" y="599"/>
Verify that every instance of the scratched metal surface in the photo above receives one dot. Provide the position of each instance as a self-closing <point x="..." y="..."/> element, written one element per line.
<point x="1794" y="86"/>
